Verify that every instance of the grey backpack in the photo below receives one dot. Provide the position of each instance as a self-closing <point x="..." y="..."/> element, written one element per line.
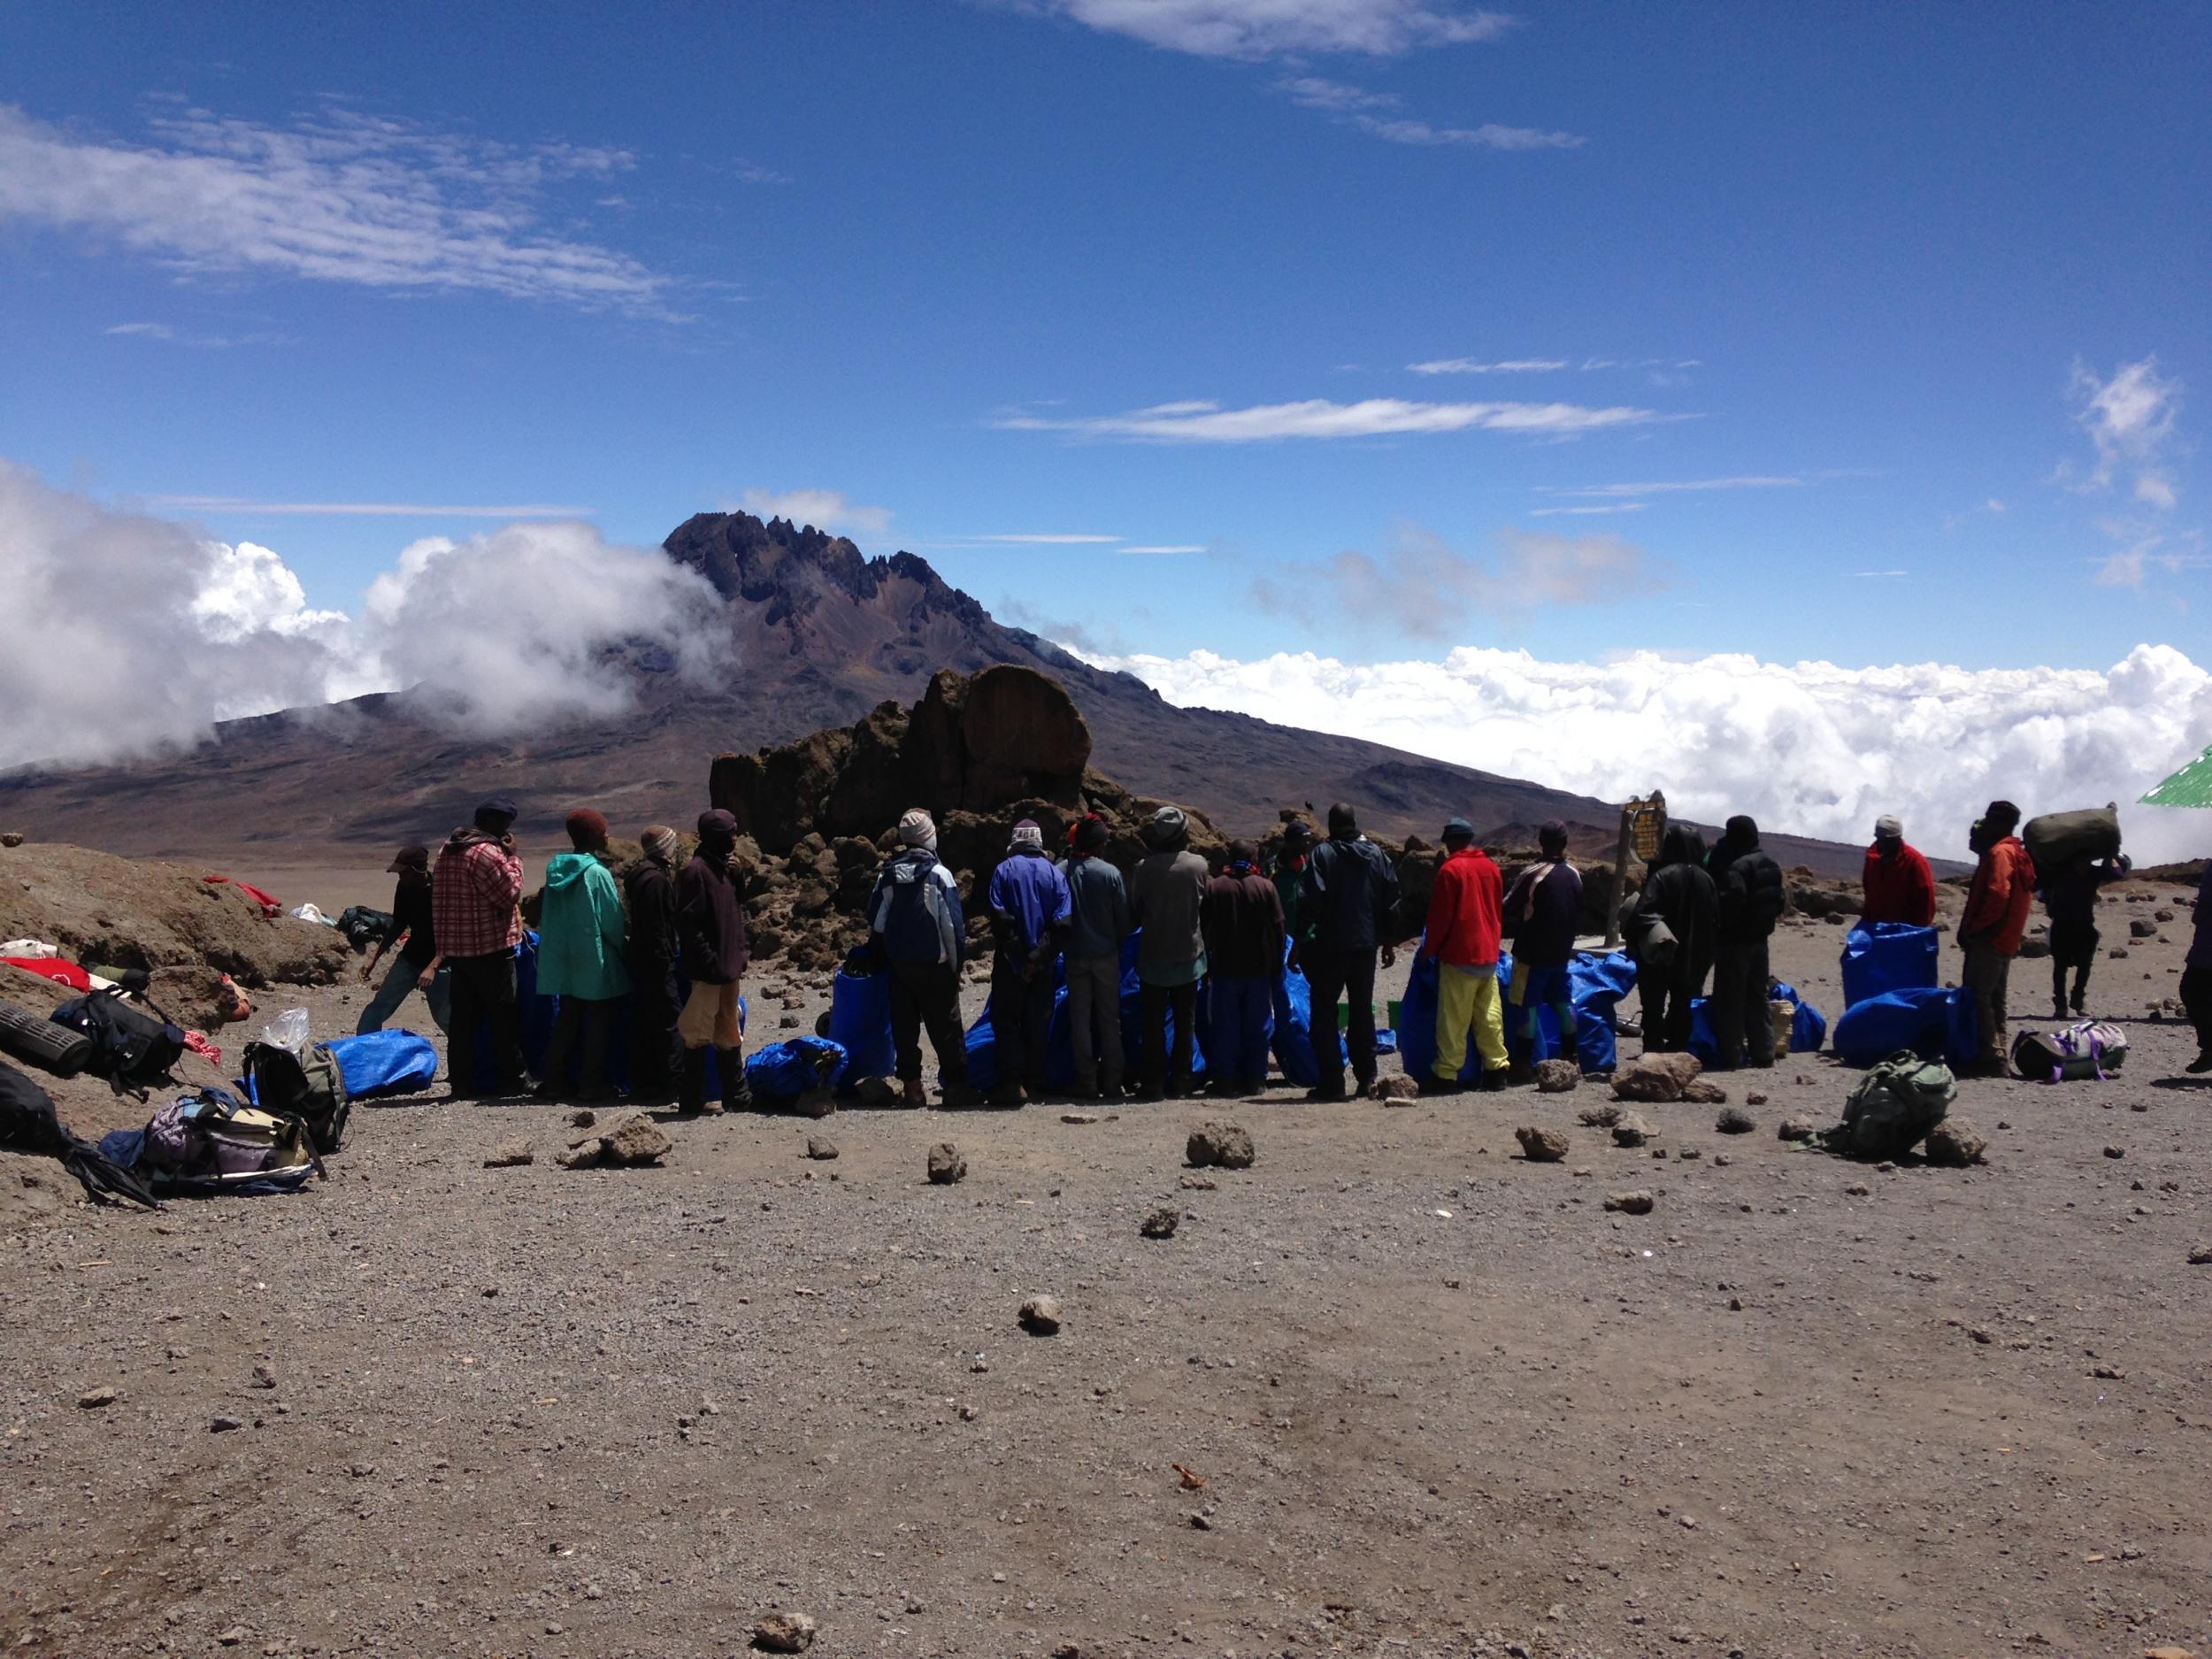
<point x="1893" y="1107"/>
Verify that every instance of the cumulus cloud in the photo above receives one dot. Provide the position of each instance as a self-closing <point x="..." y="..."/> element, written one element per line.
<point x="1202" y="421"/>
<point x="1423" y="587"/>
<point x="344" y="197"/>
<point x="2130" y="421"/>
<point x="1273" y="28"/>
<point x="1806" y="747"/>
<point x="127" y="634"/>
<point x="823" y="508"/>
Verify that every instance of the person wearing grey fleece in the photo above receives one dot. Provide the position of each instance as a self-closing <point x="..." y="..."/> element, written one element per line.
<point x="1100" y="921"/>
<point x="1167" y="897"/>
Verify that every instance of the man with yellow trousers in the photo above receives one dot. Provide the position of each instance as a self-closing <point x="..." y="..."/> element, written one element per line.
<point x="1464" y="931"/>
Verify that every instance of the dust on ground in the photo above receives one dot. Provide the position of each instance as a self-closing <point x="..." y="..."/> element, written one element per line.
<point x="1436" y="1400"/>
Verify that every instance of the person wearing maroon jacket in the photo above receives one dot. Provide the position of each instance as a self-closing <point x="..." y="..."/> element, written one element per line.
<point x="1997" y="907"/>
<point x="1896" y="884"/>
<point x="1466" y="905"/>
<point x="474" y="888"/>
<point x="710" y="927"/>
<point x="1241" y="917"/>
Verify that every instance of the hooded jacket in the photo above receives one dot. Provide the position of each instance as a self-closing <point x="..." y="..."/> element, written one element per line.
<point x="1243" y="924"/>
<point x="1098" y="908"/>
<point x="653" y="950"/>
<point x="1029" y="898"/>
<point x="708" y="919"/>
<point x="1748" y="883"/>
<point x="1466" y="906"/>
<point x="1897" y="886"/>
<point x="1680" y="893"/>
<point x="580" y="930"/>
<point x="1351" y="894"/>
<point x="1543" y="912"/>
<point x="2003" y="893"/>
<point x="1167" y="895"/>
<point x="914" y="914"/>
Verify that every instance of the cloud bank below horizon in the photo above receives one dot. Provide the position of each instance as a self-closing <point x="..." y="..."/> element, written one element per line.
<point x="1808" y="749"/>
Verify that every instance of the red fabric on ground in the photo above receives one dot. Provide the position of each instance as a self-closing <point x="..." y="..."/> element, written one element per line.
<point x="53" y="968"/>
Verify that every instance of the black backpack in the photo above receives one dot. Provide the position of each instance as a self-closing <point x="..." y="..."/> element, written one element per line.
<point x="129" y="1048"/>
<point x="313" y="1091"/>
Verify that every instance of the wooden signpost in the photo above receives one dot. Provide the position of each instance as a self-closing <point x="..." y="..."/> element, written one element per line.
<point x="1643" y="825"/>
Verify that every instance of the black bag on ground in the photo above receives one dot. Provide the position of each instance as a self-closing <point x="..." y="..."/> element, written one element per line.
<point x="41" y="1042"/>
<point x="128" y="1048"/>
<point x="28" y="1123"/>
<point x="314" y="1090"/>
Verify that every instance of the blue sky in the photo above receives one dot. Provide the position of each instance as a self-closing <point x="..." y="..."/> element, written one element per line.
<point x="1871" y="331"/>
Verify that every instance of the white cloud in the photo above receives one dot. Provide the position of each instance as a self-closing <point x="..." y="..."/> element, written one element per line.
<point x="1271" y="28"/>
<point x="341" y="198"/>
<point x="1164" y="547"/>
<point x="125" y="634"/>
<point x="1206" y="422"/>
<point x="1807" y="748"/>
<point x="1376" y="113"/>
<point x="1469" y="366"/>
<point x="1675" y="487"/>
<point x="1881" y="575"/>
<point x="2130" y="419"/>
<point x="361" y="508"/>
<point x="1046" y="538"/>
<point x="823" y="508"/>
<point x="1606" y="507"/>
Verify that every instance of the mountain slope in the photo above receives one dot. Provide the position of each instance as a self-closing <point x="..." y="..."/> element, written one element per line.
<point x="818" y="635"/>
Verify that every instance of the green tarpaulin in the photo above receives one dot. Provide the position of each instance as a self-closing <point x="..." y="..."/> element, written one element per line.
<point x="2192" y="786"/>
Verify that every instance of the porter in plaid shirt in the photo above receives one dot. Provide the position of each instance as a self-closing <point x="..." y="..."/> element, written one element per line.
<point x="474" y="893"/>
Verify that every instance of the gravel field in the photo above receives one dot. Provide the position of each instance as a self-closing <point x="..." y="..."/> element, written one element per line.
<point x="1432" y="1399"/>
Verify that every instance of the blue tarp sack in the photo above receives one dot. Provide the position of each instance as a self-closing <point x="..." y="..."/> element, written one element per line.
<point x="1597" y="982"/>
<point x="1293" y="1027"/>
<point x="982" y="1042"/>
<point x="1886" y="956"/>
<point x="785" y="1070"/>
<point x="1808" y="1026"/>
<point x="382" y="1063"/>
<point x="860" y="1023"/>
<point x="1933" y="1022"/>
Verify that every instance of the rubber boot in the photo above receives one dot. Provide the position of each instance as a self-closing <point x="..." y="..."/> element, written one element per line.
<point x="913" y="1094"/>
<point x="691" y="1084"/>
<point x="737" y="1090"/>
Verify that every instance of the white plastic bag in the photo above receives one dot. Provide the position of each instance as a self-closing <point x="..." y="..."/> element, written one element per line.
<point x="311" y="913"/>
<point x="288" y="1031"/>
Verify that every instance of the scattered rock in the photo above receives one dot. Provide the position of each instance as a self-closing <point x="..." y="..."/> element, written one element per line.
<point x="1078" y="1118"/>
<point x="946" y="1164"/>
<point x="98" y="1398"/>
<point x="637" y="1139"/>
<point x="1735" y="1121"/>
<point x="1160" y="1224"/>
<point x="2162" y="914"/>
<point x="1040" y="1315"/>
<point x="2142" y="927"/>
<point x="509" y="1155"/>
<point x="1754" y="1099"/>
<point x="2033" y="949"/>
<point x="2201" y="1257"/>
<point x="1540" y="1144"/>
<point x="1657" y="1077"/>
<point x="588" y="1154"/>
<point x="821" y="1149"/>
<point x="2115" y="1152"/>
<point x="224" y="1425"/>
<point x="784" y="1633"/>
<point x="789" y="1022"/>
<point x="1636" y="1203"/>
<point x="2118" y="953"/>
<point x="583" y="1118"/>
<point x="11" y="838"/>
<point x="1599" y="1116"/>
<point x="1223" y="1146"/>
<point x="1954" y="1143"/>
<point x="1795" y="1129"/>
<point x="876" y="1090"/>
<point x="1702" y="1091"/>
<point x="1721" y="1160"/>
<point x="232" y="1637"/>
<point x="1629" y="1129"/>
<point x="1395" y="1091"/>
<point x="1558" y="1077"/>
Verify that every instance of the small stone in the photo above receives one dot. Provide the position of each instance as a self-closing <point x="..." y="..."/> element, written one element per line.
<point x="1754" y="1099"/>
<point x="2142" y="927"/>
<point x="876" y="1090"/>
<point x="1700" y="1091"/>
<point x="1217" y="1145"/>
<point x="1160" y="1224"/>
<point x="583" y="1120"/>
<point x="946" y="1164"/>
<point x="1078" y="1118"/>
<point x="2115" y="1152"/>
<point x="970" y="1413"/>
<point x="821" y="1149"/>
<point x="1540" y="1145"/>
<point x="1859" y="1189"/>
<point x="637" y="1139"/>
<point x="263" y="1378"/>
<point x="1735" y="1121"/>
<point x="509" y="1155"/>
<point x="232" y="1637"/>
<point x="1689" y="1155"/>
<point x="588" y="1153"/>
<point x="1558" y="1077"/>
<point x="1721" y="1160"/>
<point x="1395" y="1091"/>
<point x="1635" y="1204"/>
<point x="2201" y="1257"/>
<point x="1954" y="1143"/>
<point x="1795" y="1129"/>
<point x="224" y="1425"/>
<point x="1656" y="1077"/>
<point x="789" y="1022"/>
<point x="98" y="1398"/>
<point x="784" y="1633"/>
<point x="1040" y="1315"/>
<point x="1599" y="1116"/>
<point x="1631" y="1130"/>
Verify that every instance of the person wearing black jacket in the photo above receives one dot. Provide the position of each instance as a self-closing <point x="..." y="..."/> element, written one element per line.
<point x="653" y="955"/>
<point x="710" y="926"/>
<point x="1751" y="898"/>
<point x="1671" y="937"/>
<point x="1351" y="904"/>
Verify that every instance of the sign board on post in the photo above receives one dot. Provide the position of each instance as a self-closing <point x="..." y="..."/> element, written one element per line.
<point x="1643" y="825"/>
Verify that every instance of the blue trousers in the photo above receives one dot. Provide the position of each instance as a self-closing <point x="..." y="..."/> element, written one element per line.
<point x="399" y="979"/>
<point x="1237" y="1033"/>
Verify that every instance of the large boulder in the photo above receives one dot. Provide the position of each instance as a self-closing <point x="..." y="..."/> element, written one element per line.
<point x="1657" y="1077"/>
<point x="1024" y="736"/>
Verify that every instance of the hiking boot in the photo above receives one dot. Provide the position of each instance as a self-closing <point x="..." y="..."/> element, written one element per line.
<point x="1007" y="1095"/>
<point x="2079" y="1011"/>
<point x="1432" y="1084"/>
<point x="2058" y="1008"/>
<point x="1323" y="1096"/>
<point x="959" y="1095"/>
<point x="2201" y="1063"/>
<point x="691" y="1084"/>
<point x="912" y="1093"/>
<point x="1519" y="1071"/>
<point x="1493" y="1082"/>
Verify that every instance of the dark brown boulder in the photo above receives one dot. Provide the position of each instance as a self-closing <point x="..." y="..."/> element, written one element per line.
<point x="935" y="759"/>
<point x="1023" y="735"/>
<point x="871" y="785"/>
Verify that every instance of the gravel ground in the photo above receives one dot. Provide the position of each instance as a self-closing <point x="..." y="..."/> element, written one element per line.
<point x="1433" y="1399"/>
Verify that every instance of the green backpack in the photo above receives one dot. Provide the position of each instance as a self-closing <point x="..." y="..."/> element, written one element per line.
<point x="314" y="1090"/>
<point x="1893" y="1107"/>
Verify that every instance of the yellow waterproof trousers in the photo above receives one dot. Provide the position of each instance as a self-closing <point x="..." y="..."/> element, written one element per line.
<point x="1467" y="1000"/>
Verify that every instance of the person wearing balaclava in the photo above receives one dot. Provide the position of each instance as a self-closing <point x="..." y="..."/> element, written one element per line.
<point x="711" y="928"/>
<point x="1895" y="884"/>
<point x="474" y="890"/>
<point x="1168" y="894"/>
<point x="1752" y="898"/>
<point x="653" y="954"/>
<point x="916" y="934"/>
<point x="1997" y="907"/>
<point x="1028" y="900"/>
<point x="581" y="940"/>
<point x="1671" y="939"/>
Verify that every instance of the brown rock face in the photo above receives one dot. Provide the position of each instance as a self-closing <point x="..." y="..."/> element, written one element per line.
<point x="1023" y="736"/>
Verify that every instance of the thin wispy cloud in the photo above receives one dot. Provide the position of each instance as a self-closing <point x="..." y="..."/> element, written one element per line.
<point x="1470" y="365"/>
<point x="1675" y="487"/>
<point x="187" y="337"/>
<point x="1277" y="28"/>
<point x="243" y="505"/>
<point x="1381" y="115"/>
<point x="823" y="508"/>
<point x="339" y="198"/>
<point x="2130" y="420"/>
<point x="1880" y="576"/>
<point x="1317" y="417"/>
<point x="1164" y="548"/>
<point x="1588" y="512"/>
<point x="1045" y="538"/>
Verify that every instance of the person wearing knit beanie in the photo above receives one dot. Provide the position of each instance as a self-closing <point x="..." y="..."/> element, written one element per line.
<point x="653" y="959"/>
